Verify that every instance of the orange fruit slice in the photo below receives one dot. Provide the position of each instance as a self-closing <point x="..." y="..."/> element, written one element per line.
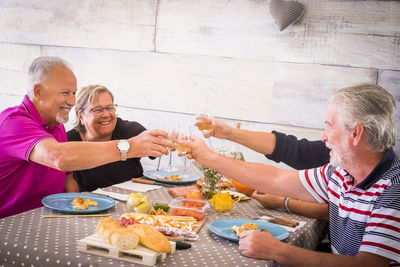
<point x="242" y="188"/>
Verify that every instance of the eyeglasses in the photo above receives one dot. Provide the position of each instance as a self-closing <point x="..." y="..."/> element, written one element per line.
<point x="109" y="109"/>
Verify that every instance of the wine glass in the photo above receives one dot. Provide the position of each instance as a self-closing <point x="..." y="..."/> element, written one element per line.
<point x="184" y="133"/>
<point x="155" y="125"/>
<point x="173" y="132"/>
<point x="205" y="123"/>
<point x="156" y="173"/>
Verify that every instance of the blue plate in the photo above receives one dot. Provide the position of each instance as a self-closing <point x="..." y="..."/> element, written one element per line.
<point x="223" y="229"/>
<point x="62" y="202"/>
<point x="189" y="178"/>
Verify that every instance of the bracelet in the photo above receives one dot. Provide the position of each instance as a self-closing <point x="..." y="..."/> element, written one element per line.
<point x="286" y="204"/>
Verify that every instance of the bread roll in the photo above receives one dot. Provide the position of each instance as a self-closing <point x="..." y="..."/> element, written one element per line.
<point x="114" y="234"/>
<point x="106" y="227"/>
<point x="124" y="240"/>
<point x="150" y="237"/>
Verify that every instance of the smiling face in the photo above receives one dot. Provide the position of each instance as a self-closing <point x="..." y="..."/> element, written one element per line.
<point x="55" y="95"/>
<point x="99" y="125"/>
<point x="338" y="139"/>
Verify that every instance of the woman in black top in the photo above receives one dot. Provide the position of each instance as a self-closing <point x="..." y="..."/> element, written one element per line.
<point x="97" y="121"/>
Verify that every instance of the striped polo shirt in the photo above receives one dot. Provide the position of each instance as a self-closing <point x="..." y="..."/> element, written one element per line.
<point x="364" y="216"/>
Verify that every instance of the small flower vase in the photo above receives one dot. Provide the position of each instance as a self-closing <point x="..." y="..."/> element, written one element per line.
<point x="212" y="178"/>
<point x="211" y="181"/>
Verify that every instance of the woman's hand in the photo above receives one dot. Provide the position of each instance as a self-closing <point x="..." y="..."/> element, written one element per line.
<point x="269" y="201"/>
<point x="220" y="130"/>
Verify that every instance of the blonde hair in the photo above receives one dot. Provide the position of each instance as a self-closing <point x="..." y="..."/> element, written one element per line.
<point x="86" y="95"/>
<point x="373" y="107"/>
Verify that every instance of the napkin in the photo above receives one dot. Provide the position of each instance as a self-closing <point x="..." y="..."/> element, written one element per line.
<point x="137" y="187"/>
<point x="118" y="196"/>
<point x="289" y="229"/>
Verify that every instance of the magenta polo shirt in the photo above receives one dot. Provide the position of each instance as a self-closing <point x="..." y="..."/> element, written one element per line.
<point x="23" y="184"/>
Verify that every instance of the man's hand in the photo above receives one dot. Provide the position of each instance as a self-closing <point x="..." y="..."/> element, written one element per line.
<point x="269" y="201"/>
<point x="221" y="130"/>
<point x="150" y="143"/>
<point x="261" y="245"/>
<point x="257" y="244"/>
<point x="200" y="152"/>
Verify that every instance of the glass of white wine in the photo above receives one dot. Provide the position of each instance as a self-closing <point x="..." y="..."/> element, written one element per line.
<point x="205" y="123"/>
<point x="184" y="133"/>
<point x="156" y="173"/>
<point x="173" y="132"/>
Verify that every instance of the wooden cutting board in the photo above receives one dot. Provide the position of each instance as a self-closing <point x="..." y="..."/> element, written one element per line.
<point x="182" y="191"/>
<point x="196" y="228"/>
<point x="95" y="244"/>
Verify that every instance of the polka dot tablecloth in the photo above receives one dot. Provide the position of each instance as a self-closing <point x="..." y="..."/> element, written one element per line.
<point x="30" y="240"/>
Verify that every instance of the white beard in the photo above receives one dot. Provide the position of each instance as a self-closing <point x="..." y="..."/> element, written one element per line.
<point x="336" y="160"/>
<point x="342" y="159"/>
<point x="62" y="119"/>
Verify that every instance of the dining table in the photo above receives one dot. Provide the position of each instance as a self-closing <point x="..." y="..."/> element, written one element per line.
<point x="30" y="239"/>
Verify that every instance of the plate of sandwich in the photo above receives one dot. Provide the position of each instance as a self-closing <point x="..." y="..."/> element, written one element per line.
<point x="231" y="228"/>
<point x="78" y="202"/>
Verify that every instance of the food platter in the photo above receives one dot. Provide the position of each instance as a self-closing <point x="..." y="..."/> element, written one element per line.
<point x="223" y="229"/>
<point x="186" y="179"/>
<point x="62" y="202"/>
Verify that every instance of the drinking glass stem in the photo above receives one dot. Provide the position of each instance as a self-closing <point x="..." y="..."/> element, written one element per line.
<point x="170" y="161"/>
<point x="156" y="173"/>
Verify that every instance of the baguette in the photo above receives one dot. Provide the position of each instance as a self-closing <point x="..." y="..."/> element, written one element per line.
<point x="114" y="234"/>
<point x="150" y="237"/>
<point x="124" y="240"/>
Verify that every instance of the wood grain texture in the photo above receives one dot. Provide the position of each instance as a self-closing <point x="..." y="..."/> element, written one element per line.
<point x="262" y="91"/>
<point x="94" y="244"/>
<point x="15" y="57"/>
<point x="119" y="24"/>
<point x="348" y="33"/>
<point x="390" y="80"/>
<point x="14" y="63"/>
<point x="173" y="57"/>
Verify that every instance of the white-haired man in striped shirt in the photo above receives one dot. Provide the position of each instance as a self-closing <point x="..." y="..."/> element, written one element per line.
<point x="361" y="184"/>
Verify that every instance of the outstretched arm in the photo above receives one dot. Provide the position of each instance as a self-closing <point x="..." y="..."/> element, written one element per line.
<point x="305" y="208"/>
<point x="262" y="142"/>
<point x="262" y="177"/>
<point x="298" y="154"/>
<point x="68" y="156"/>
<point x="276" y="146"/>
<point x="261" y="245"/>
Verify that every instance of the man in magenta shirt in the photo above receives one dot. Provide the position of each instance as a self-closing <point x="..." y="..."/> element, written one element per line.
<point x="25" y="183"/>
<point x="35" y="159"/>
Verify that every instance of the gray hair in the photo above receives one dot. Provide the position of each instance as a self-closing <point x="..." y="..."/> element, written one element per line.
<point x="86" y="95"/>
<point x="373" y="107"/>
<point x="40" y="68"/>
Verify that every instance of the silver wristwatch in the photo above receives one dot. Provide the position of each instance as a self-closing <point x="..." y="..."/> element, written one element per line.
<point x="123" y="146"/>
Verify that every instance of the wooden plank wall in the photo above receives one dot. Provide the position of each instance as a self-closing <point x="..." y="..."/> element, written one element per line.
<point x="167" y="59"/>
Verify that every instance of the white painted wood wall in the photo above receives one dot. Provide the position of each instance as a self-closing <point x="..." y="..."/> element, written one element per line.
<point x="167" y="59"/>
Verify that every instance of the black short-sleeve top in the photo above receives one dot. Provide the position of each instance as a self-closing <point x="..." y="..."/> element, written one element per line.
<point x="111" y="173"/>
